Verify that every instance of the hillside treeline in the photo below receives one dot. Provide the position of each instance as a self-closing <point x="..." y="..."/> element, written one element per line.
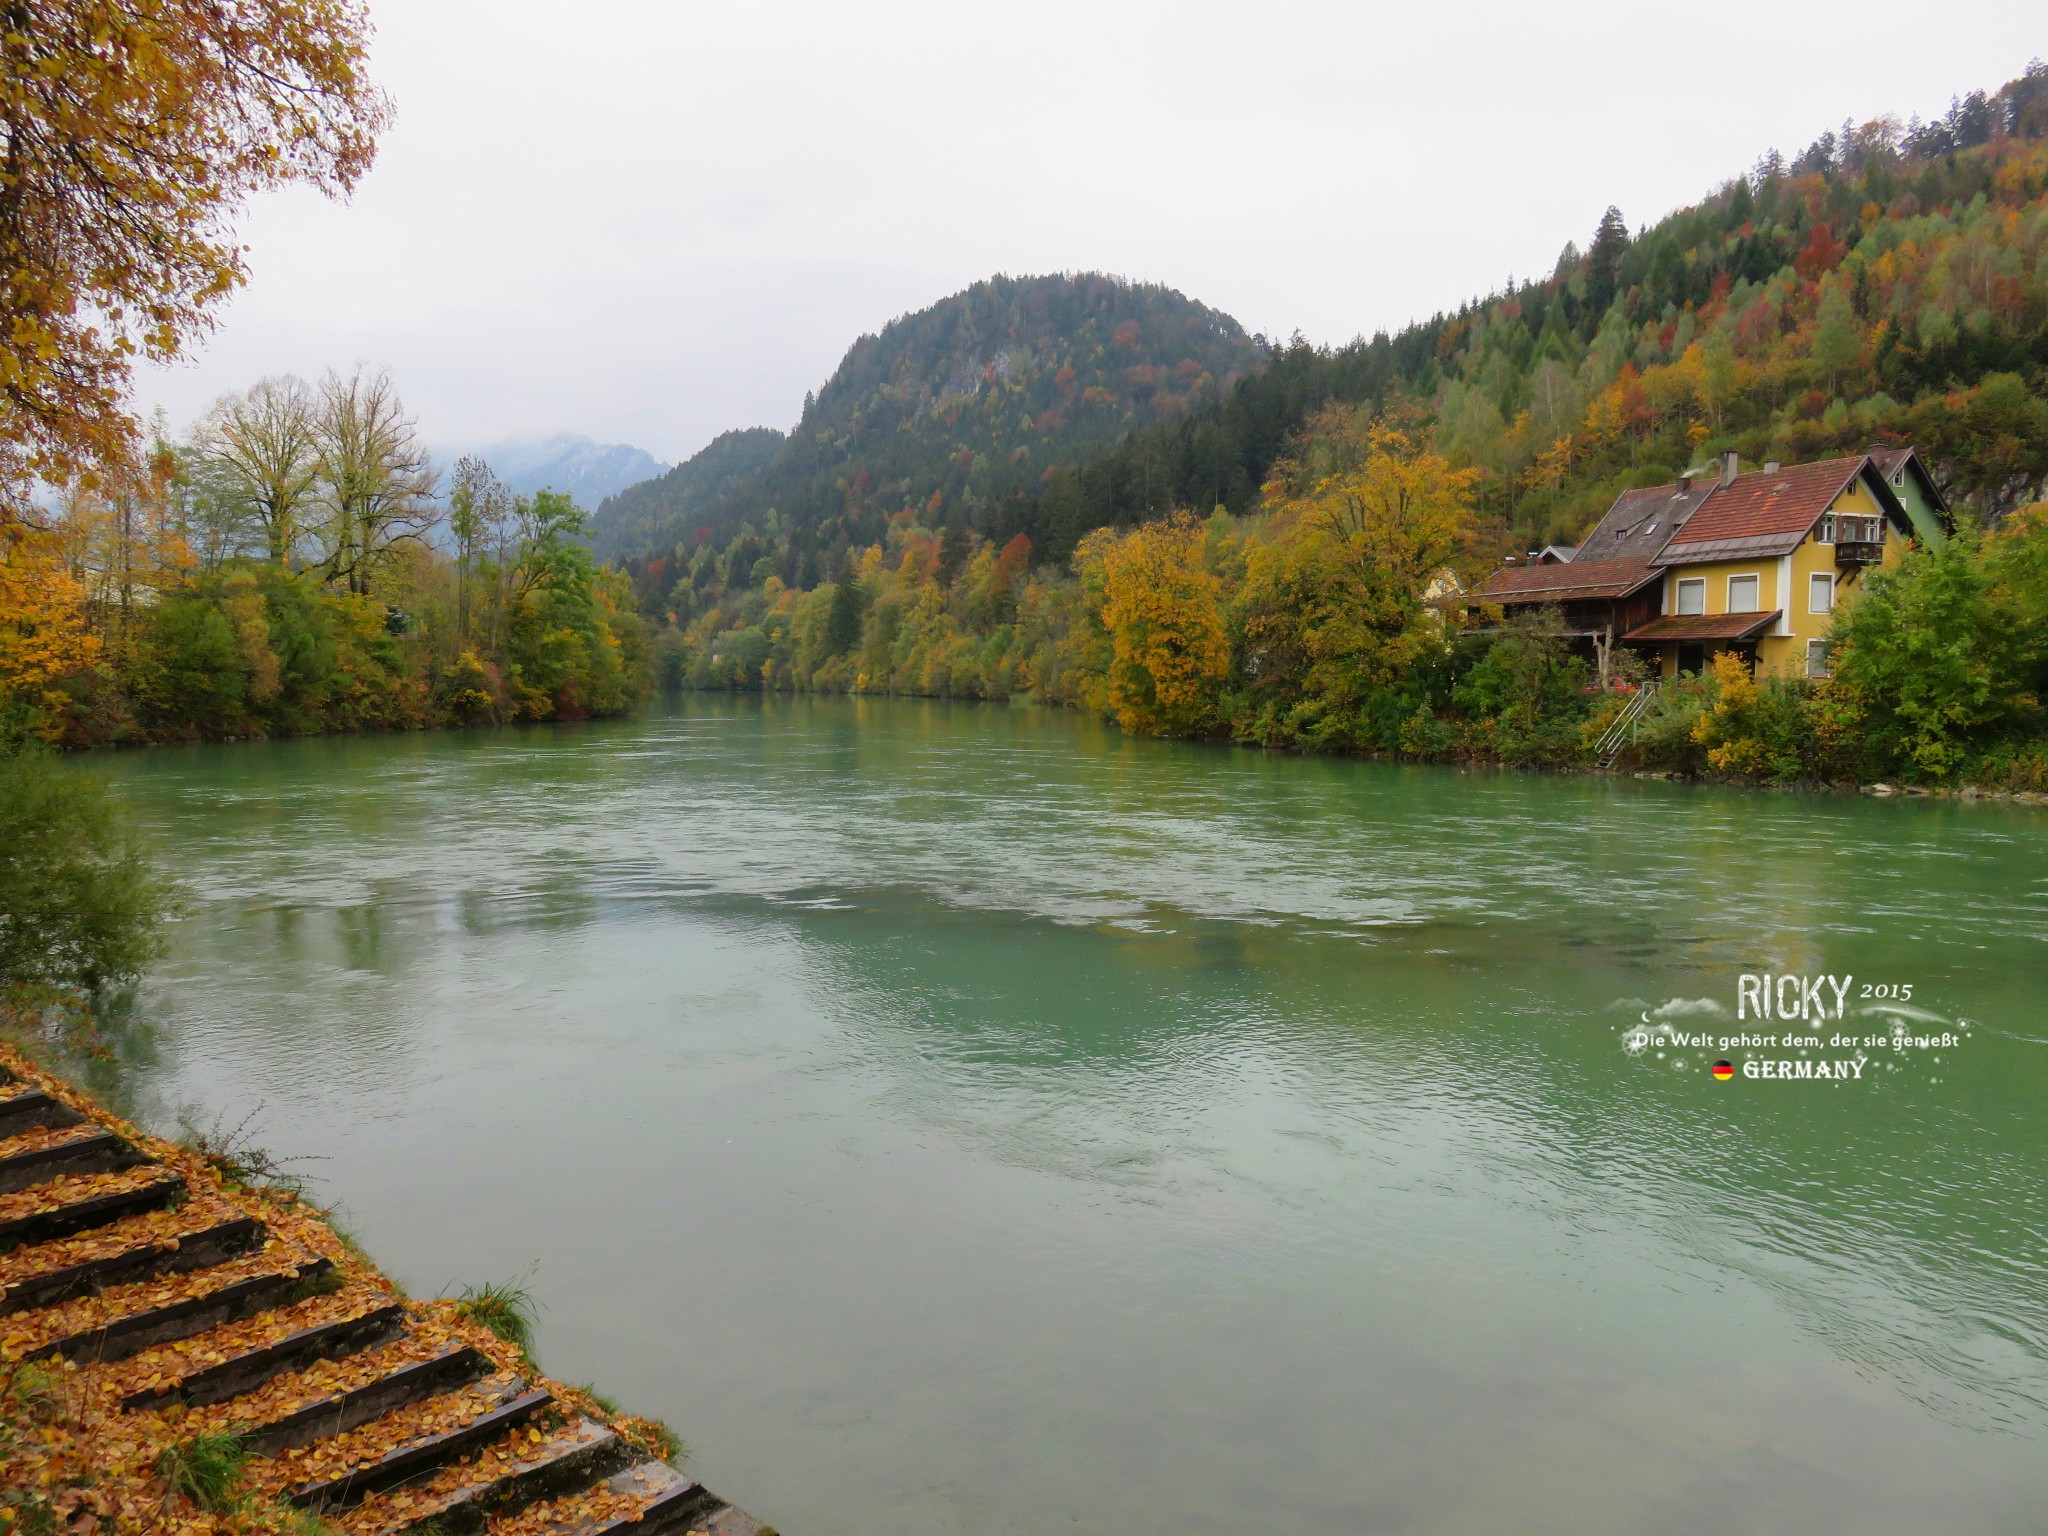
<point x="1888" y="282"/>
<point x="293" y="566"/>
<point x="1329" y="618"/>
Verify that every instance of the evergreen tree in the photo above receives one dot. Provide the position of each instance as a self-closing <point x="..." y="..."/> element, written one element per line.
<point x="954" y="547"/>
<point x="1603" y="262"/>
<point x="842" y="624"/>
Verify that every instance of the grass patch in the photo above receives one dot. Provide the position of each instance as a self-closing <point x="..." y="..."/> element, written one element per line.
<point x="207" y="1469"/>
<point x="507" y="1308"/>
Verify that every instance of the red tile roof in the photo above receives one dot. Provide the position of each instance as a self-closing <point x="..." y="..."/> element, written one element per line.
<point x="1767" y="504"/>
<point x="1566" y="582"/>
<point x="1705" y="626"/>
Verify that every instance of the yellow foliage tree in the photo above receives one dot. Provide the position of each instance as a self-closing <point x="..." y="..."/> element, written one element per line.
<point x="1335" y="603"/>
<point x="125" y="540"/>
<point x="1163" y="612"/>
<point x="43" y="633"/>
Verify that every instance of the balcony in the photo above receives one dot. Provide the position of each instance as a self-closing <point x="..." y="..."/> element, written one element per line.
<point x="1854" y="554"/>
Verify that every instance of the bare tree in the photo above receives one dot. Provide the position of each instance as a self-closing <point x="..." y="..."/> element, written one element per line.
<point x="376" y="481"/>
<point x="261" y="450"/>
<point x="480" y="507"/>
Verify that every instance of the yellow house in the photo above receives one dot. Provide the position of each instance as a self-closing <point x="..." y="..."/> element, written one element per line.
<point x="1767" y="561"/>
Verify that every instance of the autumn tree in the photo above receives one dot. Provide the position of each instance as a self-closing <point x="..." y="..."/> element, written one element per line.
<point x="1364" y="527"/>
<point x="124" y="536"/>
<point x="376" y="481"/>
<point x="43" y="633"/>
<point x="130" y="132"/>
<point x="1163" y="612"/>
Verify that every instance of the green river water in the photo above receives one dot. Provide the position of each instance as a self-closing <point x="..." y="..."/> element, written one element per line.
<point x="970" y="1119"/>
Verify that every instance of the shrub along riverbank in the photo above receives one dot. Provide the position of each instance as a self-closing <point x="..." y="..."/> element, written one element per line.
<point x="290" y="569"/>
<point x="1330" y="620"/>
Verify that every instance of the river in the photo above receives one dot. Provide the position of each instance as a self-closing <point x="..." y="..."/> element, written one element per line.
<point x="960" y="1118"/>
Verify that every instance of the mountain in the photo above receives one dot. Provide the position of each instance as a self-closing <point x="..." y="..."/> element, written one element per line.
<point x="657" y="513"/>
<point x="949" y="412"/>
<point x="584" y="469"/>
<point x="1888" y="283"/>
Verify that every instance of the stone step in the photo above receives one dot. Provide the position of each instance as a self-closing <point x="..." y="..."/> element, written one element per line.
<point x="246" y="1364"/>
<point x="413" y="1442"/>
<point x="161" y="1243"/>
<point x="43" y="1154"/>
<point x="79" y="1202"/>
<point x="508" y="1473"/>
<point x="647" y="1499"/>
<point x="23" y="1108"/>
<point x="125" y="1320"/>
<point x="383" y="1392"/>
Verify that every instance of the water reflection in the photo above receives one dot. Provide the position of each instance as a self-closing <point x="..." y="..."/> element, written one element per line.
<point x="1043" y="1115"/>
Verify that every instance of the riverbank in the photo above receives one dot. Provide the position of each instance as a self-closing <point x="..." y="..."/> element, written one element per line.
<point x="236" y="647"/>
<point x="1627" y="763"/>
<point x="1342" y="617"/>
<point x="185" y="1348"/>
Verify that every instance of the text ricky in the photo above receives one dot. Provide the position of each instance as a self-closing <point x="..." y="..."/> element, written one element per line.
<point x="1792" y="997"/>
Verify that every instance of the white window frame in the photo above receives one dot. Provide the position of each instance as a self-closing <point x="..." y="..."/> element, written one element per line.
<point x="1817" y="658"/>
<point x="1815" y="582"/>
<point x="1699" y="586"/>
<point x="1756" y="585"/>
<point x="1827" y="529"/>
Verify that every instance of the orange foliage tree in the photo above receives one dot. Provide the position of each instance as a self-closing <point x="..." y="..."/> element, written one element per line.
<point x="128" y="133"/>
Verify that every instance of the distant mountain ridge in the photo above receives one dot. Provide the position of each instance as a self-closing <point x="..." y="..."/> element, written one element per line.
<point x="579" y="466"/>
<point x="948" y="412"/>
<point x="660" y="512"/>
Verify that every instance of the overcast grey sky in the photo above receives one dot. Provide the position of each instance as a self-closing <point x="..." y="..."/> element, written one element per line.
<point x="652" y="220"/>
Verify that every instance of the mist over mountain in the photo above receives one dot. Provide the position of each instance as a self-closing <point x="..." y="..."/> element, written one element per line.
<point x="579" y="466"/>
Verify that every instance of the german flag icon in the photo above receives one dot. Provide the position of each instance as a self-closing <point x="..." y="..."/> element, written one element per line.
<point x="1724" y="1070"/>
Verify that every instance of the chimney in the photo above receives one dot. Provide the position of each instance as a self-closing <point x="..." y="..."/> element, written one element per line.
<point x="1535" y="555"/>
<point x="1770" y="466"/>
<point x="1730" y="466"/>
<point x="1684" y="484"/>
<point x="1507" y="559"/>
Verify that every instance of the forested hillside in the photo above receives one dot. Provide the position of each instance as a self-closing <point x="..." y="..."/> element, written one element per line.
<point x="1888" y="282"/>
<point x="708" y="485"/>
<point x="956" y="408"/>
<point x="1280" y="563"/>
